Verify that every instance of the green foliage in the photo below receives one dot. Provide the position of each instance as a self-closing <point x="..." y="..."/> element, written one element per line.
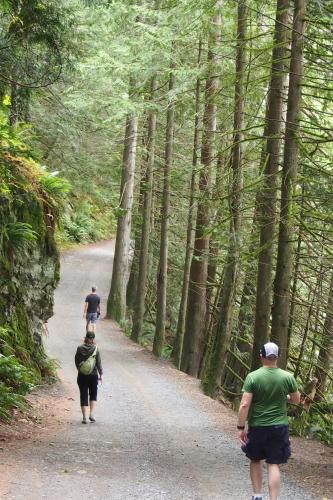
<point x="313" y="424"/>
<point x="22" y="367"/>
<point x="147" y="337"/>
<point x="77" y="228"/>
<point x="33" y="35"/>
<point x="15" y="375"/>
<point x="126" y="327"/>
<point x="16" y="380"/>
<point x="9" y="400"/>
<point x="31" y="199"/>
<point x="46" y="366"/>
<point x="86" y="224"/>
<point x="56" y="189"/>
<point x="167" y="352"/>
<point x="17" y="236"/>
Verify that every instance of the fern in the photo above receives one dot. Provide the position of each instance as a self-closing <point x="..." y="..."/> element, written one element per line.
<point x="55" y="187"/>
<point x="9" y="400"/>
<point x="18" y="235"/>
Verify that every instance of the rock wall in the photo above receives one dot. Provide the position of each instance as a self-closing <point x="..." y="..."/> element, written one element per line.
<point x="29" y="261"/>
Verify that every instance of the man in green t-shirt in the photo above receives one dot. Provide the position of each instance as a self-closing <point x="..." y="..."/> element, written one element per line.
<point x="266" y="392"/>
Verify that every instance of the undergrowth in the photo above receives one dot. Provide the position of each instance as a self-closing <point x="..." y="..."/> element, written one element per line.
<point x="20" y="372"/>
<point x="85" y="224"/>
<point x="313" y="424"/>
<point x="16" y="381"/>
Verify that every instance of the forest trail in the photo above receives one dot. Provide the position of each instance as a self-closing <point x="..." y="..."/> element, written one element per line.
<point x="156" y="436"/>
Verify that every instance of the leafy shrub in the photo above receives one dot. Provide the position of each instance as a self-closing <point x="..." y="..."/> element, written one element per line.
<point x="47" y="367"/>
<point x="77" y="227"/>
<point x="167" y="351"/>
<point x="313" y="425"/>
<point x="55" y="187"/>
<point x="8" y="400"/>
<point x="15" y="381"/>
<point x="86" y="224"/>
<point x="126" y="326"/>
<point x="13" y="374"/>
<point x="54" y="191"/>
<point x="148" y="333"/>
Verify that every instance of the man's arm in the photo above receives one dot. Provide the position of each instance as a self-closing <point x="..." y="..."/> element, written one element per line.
<point x="242" y="415"/>
<point x="294" y="398"/>
<point x="85" y="309"/>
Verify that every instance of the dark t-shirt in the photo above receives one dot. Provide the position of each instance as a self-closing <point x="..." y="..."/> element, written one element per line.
<point x="93" y="302"/>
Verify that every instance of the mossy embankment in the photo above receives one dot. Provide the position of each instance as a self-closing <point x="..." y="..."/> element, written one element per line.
<point x="30" y="201"/>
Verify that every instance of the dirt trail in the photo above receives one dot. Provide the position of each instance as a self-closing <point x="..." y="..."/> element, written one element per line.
<point x="156" y="436"/>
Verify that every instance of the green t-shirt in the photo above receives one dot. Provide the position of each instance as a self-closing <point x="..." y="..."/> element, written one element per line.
<point x="270" y="387"/>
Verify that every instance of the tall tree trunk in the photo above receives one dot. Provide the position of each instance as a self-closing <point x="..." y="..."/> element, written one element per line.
<point x="116" y="306"/>
<point x="14" y="113"/>
<point x="213" y="286"/>
<point x="244" y="335"/>
<point x="137" y="221"/>
<point x="196" y="305"/>
<point x="313" y="295"/>
<point x="164" y="243"/>
<point x="285" y="257"/>
<point x="177" y="354"/>
<point x="267" y="194"/>
<point x="216" y="362"/>
<point x="20" y="104"/>
<point x="139" y="308"/>
<point x="325" y="357"/>
<point x="296" y="268"/>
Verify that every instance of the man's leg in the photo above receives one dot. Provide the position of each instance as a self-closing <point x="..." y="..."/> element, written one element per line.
<point x="274" y="480"/>
<point x="256" y="475"/>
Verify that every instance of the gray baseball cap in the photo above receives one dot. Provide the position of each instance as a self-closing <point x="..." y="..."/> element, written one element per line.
<point x="269" y="350"/>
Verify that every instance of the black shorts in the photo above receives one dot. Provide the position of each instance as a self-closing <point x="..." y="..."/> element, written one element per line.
<point x="88" y="387"/>
<point x="269" y="443"/>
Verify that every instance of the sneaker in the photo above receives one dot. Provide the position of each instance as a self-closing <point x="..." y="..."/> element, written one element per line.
<point x="92" y="419"/>
<point x="84" y="420"/>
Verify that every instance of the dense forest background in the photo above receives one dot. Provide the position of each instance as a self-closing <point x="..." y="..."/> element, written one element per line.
<point x="200" y="134"/>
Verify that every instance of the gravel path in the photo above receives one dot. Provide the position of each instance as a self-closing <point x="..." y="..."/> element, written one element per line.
<point x="156" y="436"/>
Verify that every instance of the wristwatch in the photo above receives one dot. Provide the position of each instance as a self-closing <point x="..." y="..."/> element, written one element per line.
<point x="240" y="427"/>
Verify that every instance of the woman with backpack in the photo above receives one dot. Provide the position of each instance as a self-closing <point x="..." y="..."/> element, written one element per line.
<point x="89" y="366"/>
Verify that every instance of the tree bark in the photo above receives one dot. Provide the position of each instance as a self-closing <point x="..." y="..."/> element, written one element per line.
<point x="137" y="222"/>
<point x="177" y="354"/>
<point x="213" y="376"/>
<point x="325" y="356"/>
<point x="20" y="104"/>
<point x="285" y="257"/>
<point x="139" y="307"/>
<point x="164" y="240"/>
<point x="116" y="305"/>
<point x="267" y="194"/>
<point x="196" y="306"/>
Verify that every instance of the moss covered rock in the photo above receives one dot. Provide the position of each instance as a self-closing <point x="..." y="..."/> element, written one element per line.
<point x="30" y="200"/>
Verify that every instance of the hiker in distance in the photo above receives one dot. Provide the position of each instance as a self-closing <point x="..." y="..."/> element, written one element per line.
<point x="89" y="365"/>
<point x="266" y="392"/>
<point x="92" y="308"/>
